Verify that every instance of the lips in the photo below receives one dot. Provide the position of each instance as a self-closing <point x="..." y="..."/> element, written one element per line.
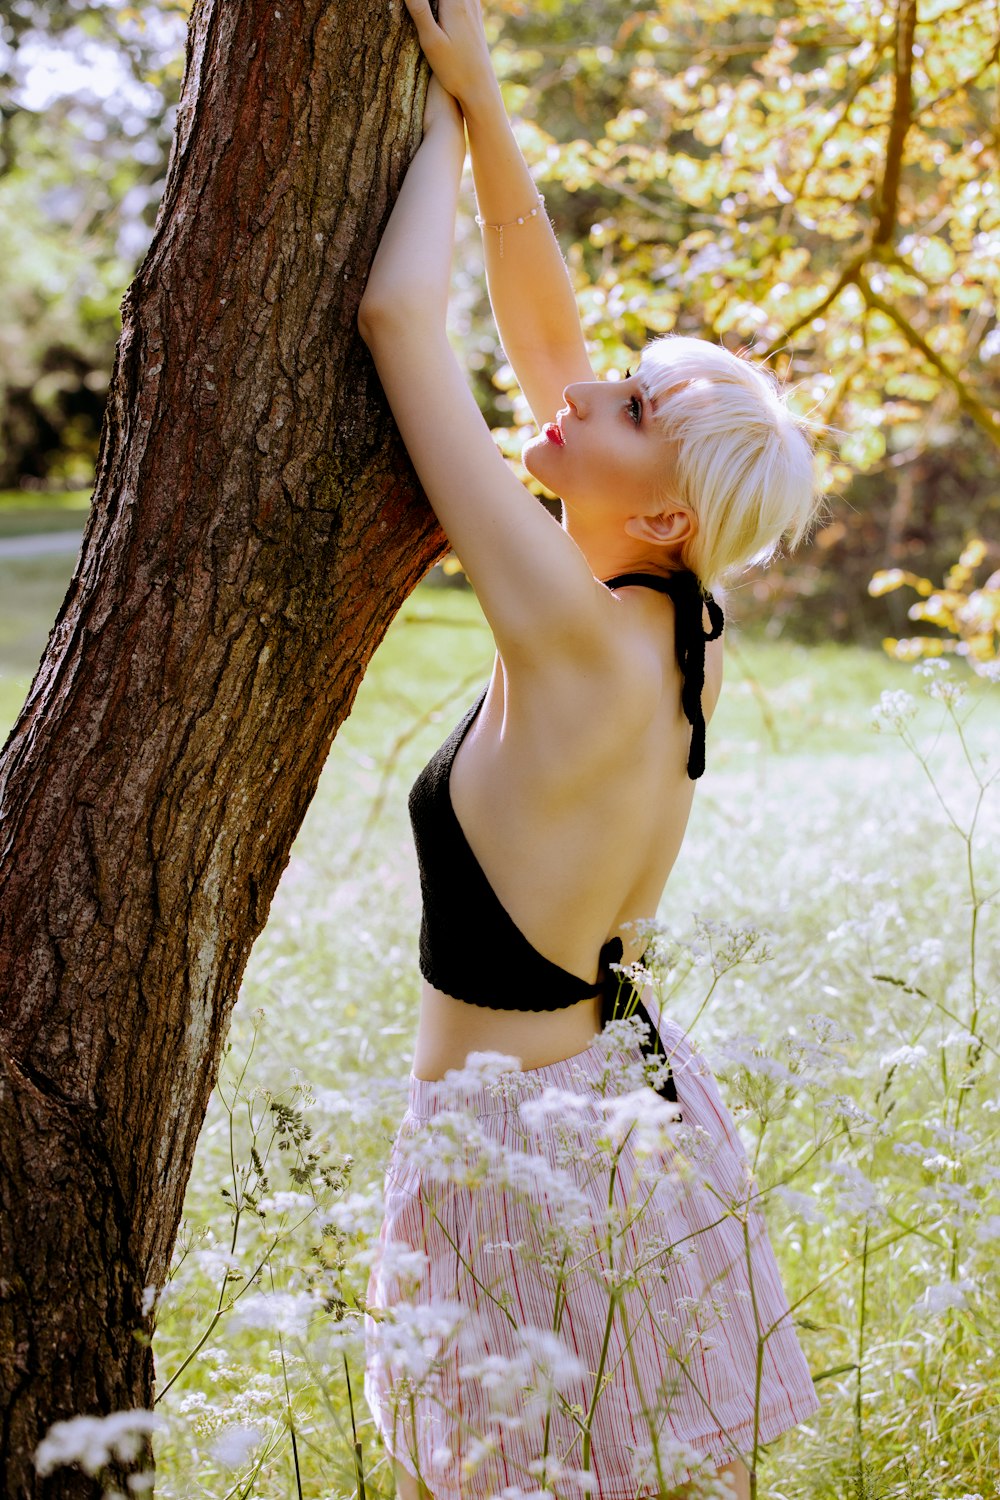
<point x="553" y="433"/>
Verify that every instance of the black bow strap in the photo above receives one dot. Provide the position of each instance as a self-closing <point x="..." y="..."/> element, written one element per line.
<point x="690" y="637"/>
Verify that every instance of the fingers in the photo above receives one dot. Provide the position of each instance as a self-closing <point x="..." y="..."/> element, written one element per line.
<point x="423" y="19"/>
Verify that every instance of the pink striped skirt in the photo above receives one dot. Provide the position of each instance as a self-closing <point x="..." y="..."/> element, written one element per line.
<point x="573" y="1293"/>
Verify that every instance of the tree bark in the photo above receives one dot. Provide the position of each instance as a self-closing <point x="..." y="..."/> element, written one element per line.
<point x="255" y="526"/>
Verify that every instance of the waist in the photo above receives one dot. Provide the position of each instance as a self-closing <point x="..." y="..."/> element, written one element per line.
<point x="450" y="1029"/>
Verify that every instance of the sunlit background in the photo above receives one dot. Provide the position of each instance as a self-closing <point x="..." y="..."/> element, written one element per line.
<point x="739" y="170"/>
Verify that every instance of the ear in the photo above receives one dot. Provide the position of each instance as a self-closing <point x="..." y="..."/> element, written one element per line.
<point x="667" y="528"/>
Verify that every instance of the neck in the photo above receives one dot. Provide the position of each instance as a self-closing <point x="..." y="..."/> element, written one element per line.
<point x="611" y="552"/>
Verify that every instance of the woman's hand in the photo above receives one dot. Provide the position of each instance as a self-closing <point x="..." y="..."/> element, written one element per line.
<point x="442" y="107"/>
<point x="454" y="45"/>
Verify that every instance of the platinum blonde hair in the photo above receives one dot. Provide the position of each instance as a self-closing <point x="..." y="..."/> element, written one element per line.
<point x="743" y="461"/>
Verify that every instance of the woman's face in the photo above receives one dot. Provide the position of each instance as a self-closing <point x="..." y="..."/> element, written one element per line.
<point x="603" y="450"/>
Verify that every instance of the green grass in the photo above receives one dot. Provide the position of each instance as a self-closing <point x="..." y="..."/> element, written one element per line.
<point x="807" y="825"/>
<point x="44" y="500"/>
<point x="39" y="512"/>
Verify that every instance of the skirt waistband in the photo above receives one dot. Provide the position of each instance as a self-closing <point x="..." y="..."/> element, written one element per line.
<point x="484" y="1087"/>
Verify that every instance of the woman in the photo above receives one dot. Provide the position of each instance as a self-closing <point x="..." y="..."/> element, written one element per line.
<point x="547" y="823"/>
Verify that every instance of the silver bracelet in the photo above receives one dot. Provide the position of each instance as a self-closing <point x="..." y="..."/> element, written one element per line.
<point x="522" y="219"/>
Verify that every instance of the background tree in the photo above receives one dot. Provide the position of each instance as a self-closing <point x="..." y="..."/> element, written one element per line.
<point x="254" y="528"/>
<point x="89" y="97"/>
<point x="821" y="187"/>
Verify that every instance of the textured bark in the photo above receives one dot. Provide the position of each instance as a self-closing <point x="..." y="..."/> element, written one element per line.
<point x="255" y="527"/>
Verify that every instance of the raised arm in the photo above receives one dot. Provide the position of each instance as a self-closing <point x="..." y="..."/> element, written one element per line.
<point x="533" y="582"/>
<point x="530" y="290"/>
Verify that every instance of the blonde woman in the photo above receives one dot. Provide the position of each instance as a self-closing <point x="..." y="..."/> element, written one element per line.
<point x="546" y="824"/>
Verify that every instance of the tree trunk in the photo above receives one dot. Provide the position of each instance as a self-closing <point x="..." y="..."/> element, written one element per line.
<point x="255" y="527"/>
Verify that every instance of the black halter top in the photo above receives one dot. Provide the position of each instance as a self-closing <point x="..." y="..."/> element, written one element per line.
<point x="470" y="947"/>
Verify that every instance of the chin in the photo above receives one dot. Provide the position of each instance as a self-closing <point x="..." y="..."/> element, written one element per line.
<point x="530" y="453"/>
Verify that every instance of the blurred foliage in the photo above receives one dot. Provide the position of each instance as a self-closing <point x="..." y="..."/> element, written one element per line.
<point x="818" y="184"/>
<point x="970" y="614"/>
<point x="90" y="91"/>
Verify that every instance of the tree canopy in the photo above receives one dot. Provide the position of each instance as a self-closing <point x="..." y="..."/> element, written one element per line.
<point x="818" y="185"/>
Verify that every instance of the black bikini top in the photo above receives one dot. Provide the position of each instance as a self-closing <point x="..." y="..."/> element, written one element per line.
<point x="470" y="947"/>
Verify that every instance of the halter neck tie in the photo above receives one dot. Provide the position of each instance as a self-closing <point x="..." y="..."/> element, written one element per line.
<point x="690" y="637"/>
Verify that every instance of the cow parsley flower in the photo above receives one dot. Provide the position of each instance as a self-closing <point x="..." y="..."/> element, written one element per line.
<point x="233" y="1445"/>
<point x="947" y="1294"/>
<point x="903" y="1056"/>
<point x="92" y="1442"/>
<point x="278" y="1312"/>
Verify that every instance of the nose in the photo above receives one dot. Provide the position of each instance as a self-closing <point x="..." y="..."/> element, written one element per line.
<point x="572" y="396"/>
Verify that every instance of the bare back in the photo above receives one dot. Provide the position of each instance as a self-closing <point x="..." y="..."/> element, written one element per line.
<point x="574" y="796"/>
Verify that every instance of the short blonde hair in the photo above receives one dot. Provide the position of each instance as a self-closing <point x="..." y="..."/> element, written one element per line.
<point x="743" y="460"/>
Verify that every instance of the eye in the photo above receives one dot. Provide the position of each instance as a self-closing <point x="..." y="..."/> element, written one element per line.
<point x="634" y="408"/>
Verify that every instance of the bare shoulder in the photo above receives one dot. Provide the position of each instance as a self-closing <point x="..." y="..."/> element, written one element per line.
<point x="589" y="697"/>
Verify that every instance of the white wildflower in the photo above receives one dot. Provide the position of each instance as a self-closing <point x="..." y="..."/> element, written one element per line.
<point x="902" y="1056"/>
<point x="92" y="1442"/>
<point x="947" y="1294"/>
<point x="449" y="1147"/>
<point x="412" y="1337"/>
<point x="515" y="1492"/>
<point x="960" y="1036"/>
<point x="958" y="1140"/>
<point x="345" y="1337"/>
<point x="476" y="1453"/>
<point x="553" y="1470"/>
<point x="939" y="1163"/>
<point x="908" y="1148"/>
<point x="856" y="1193"/>
<point x="287" y="1203"/>
<point x="357" y="1213"/>
<point x="277" y="1312"/>
<point x="989" y="1228"/>
<point x="946" y="691"/>
<point x="748" y="1052"/>
<point x="928" y="951"/>
<point x="622" y="1034"/>
<point x="893" y="709"/>
<point x="233" y="1445"/>
<point x="400" y="1262"/>
<point x="215" y="1261"/>
<point x="931" y="667"/>
<point x="827" y="1029"/>
<point x="847" y="1108"/>
<point x="672" y="1462"/>
<point x="481" y="1069"/>
<point x="644" y="1118"/>
<point x="801" y="1204"/>
<point x="525" y="1381"/>
<point x="553" y="1103"/>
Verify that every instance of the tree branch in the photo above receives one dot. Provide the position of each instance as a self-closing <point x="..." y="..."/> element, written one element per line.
<point x="848" y="275"/>
<point x="967" y="400"/>
<point x="960" y="88"/>
<point x="902" y="118"/>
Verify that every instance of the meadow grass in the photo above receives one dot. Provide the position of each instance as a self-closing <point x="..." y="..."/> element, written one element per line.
<point x="859" y="1061"/>
<point x="867" y="1106"/>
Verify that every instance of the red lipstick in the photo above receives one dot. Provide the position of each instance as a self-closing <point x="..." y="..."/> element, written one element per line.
<point x="554" y="435"/>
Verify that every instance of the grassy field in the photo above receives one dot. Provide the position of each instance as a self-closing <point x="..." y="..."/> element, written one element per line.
<point x="859" y="1060"/>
